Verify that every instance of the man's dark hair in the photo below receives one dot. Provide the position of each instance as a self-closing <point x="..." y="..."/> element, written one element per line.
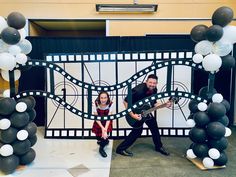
<point x="152" y="76"/>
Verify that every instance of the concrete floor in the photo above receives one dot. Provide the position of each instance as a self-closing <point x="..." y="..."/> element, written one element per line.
<point x="146" y="162"/>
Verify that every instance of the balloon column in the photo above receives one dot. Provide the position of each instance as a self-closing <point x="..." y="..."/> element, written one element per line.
<point x="215" y="43"/>
<point x="17" y="131"/>
<point x="209" y="121"/>
<point x="13" y="45"/>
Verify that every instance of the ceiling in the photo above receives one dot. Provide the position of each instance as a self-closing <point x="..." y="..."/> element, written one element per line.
<point x="70" y="25"/>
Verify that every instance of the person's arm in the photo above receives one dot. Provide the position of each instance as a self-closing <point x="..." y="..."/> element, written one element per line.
<point x="110" y="113"/>
<point x="164" y="105"/>
<point x="133" y="115"/>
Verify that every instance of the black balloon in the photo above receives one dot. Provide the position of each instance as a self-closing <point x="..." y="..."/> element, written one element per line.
<point x="198" y="33"/>
<point x="200" y="150"/>
<point x="198" y="135"/>
<point x="19" y="119"/>
<point x="28" y="157"/>
<point x="10" y="35"/>
<point x="16" y="20"/>
<point x="220" y="144"/>
<point x="224" y="120"/>
<point x="9" y="164"/>
<point x="191" y="116"/>
<point x="222" y="16"/>
<point x="203" y="92"/>
<point x="216" y="110"/>
<point x="31" y="128"/>
<point x="21" y="147"/>
<point x="7" y="106"/>
<point x="214" y="33"/>
<point x="193" y="106"/>
<point x="201" y="119"/>
<point x="33" y="140"/>
<point x="228" y="62"/>
<point x="8" y="135"/>
<point x="222" y="160"/>
<point x="226" y="104"/>
<point x="32" y="114"/>
<point x="215" y="130"/>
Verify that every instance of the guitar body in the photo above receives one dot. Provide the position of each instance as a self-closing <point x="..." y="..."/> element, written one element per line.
<point x="139" y="110"/>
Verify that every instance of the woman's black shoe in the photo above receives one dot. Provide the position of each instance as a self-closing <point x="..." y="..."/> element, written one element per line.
<point x="102" y="152"/>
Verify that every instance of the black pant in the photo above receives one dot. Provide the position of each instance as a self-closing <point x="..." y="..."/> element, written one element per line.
<point x="102" y="142"/>
<point x="136" y="132"/>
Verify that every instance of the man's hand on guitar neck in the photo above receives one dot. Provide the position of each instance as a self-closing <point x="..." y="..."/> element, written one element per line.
<point x="169" y="103"/>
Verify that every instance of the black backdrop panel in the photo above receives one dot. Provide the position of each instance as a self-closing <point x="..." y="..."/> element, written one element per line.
<point x="34" y="79"/>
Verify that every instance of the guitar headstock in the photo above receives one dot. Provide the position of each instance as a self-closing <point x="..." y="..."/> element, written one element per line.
<point x="175" y="99"/>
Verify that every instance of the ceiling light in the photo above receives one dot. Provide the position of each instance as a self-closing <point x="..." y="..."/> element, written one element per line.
<point x="136" y="8"/>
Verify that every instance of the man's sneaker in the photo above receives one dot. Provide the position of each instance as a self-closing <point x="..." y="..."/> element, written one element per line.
<point x="125" y="153"/>
<point x="162" y="151"/>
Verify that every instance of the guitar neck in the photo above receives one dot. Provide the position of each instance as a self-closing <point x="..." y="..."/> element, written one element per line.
<point x="153" y="109"/>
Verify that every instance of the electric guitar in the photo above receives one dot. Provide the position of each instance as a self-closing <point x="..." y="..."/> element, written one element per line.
<point x="144" y="111"/>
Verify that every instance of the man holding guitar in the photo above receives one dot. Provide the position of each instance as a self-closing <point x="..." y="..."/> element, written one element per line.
<point x="137" y="118"/>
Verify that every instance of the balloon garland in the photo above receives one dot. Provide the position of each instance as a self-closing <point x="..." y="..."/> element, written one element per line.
<point x="209" y="122"/>
<point x="17" y="131"/>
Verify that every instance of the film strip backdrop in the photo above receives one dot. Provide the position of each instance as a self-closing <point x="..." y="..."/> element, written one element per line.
<point x="67" y="74"/>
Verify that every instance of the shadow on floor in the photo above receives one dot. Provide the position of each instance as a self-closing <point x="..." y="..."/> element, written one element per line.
<point x="148" y="163"/>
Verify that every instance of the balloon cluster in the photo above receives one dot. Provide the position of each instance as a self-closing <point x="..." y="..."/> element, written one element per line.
<point x="215" y="43"/>
<point x="13" y="45"/>
<point x="17" y="133"/>
<point x="209" y="131"/>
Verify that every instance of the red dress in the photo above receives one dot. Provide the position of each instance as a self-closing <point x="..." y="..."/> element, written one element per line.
<point x="101" y="112"/>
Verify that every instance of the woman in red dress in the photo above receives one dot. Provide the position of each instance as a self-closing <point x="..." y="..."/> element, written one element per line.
<point x="103" y="107"/>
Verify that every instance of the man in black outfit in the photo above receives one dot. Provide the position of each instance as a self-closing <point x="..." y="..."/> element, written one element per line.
<point x="138" y="93"/>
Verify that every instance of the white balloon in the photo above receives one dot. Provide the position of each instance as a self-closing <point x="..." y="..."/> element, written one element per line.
<point x="6" y="93"/>
<point x="6" y="150"/>
<point x="208" y="162"/>
<point x="190" y="154"/>
<point x="203" y="47"/>
<point x="21" y="58"/>
<point x="3" y="46"/>
<point x="217" y="98"/>
<point x="197" y="58"/>
<point x="22" y="135"/>
<point x="22" y="33"/>
<point x="5" y="124"/>
<point x="202" y="106"/>
<point x="228" y="132"/>
<point x="211" y="62"/>
<point x="214" y="153"/>
<point x="229" y="34"/>
<point x="5" y="75"/>
<point x="190" y="123"/>
<point x="3" y="23"/>
<point x="7" y="61"/>
<point x="21" y="107"/>
<point x="14" y="49"/>
<point x="222" y="48"/>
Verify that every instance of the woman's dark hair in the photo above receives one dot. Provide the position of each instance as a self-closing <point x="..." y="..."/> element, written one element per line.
<point x="108" y="98"/>
<point x="152" y="76"/>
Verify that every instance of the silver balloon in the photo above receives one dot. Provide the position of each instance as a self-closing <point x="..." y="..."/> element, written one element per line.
<point x="25" y="46"/>
<point x="203" y="47"/>
<point x="222" y="47"/>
